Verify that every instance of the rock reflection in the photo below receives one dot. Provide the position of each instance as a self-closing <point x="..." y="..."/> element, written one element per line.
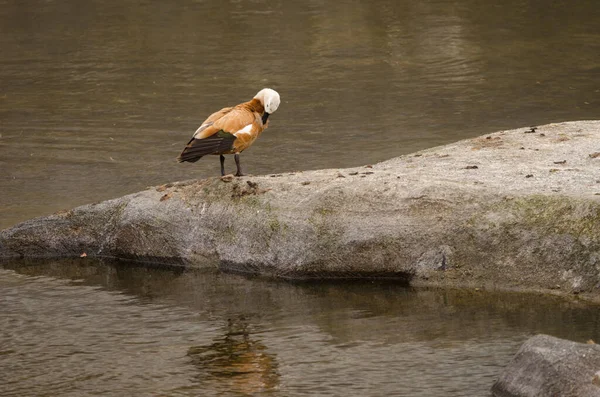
<point x="239" y="362"/>
<point x="123" y="329"/>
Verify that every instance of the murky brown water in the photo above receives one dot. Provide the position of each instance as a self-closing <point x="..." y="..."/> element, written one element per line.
<point x="97" y="98"/>
<point x="81" y="327"/>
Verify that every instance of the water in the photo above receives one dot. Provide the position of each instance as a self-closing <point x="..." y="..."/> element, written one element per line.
<point x="82" y="327"/>
<point x="97" y="100"/>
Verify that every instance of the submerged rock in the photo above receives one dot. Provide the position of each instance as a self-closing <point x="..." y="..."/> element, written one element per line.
<point x="548" y="366"/>
<point x="461" y="214"/>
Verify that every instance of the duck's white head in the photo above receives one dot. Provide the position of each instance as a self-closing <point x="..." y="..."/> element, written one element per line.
<point x="269" y="99"/>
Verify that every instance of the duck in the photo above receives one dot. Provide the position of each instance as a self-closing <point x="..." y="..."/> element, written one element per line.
<point x="232" y="130"/>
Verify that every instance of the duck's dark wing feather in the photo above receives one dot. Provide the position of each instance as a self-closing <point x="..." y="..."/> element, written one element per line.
<point x="196" y="148"/>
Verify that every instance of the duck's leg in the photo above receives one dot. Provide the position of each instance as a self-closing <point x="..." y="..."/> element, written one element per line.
<point x="222" y="158"/>
<point x="237" y="164"/>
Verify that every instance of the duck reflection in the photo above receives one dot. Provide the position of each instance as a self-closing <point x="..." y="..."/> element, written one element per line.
<point x="237" y="361"/>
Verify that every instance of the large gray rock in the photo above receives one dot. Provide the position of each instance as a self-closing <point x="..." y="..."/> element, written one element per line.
<point x="512" y="209"/>
<point x="546" y="366"/>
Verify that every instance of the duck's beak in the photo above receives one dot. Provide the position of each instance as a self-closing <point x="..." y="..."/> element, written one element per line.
<point x="265" y="117"/>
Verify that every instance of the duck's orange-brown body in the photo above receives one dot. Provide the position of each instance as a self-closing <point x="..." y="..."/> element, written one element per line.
<point x="246" y="120"/>
<point x="232" y="130"/>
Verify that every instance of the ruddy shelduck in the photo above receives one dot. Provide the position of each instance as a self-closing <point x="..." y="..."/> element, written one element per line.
<point x="232" y="130"/>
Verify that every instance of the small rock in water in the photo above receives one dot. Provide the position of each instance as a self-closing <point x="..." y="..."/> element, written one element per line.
<point x="471" y="167"/>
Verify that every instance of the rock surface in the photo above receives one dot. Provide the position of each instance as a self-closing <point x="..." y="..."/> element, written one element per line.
<point x="548" y="366"/>
<point x="512" y="209"/>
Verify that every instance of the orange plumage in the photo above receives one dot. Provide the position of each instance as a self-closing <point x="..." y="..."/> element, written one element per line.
<point x="232" y="130"/>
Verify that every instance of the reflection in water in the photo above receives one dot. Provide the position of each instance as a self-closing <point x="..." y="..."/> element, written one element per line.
<point x="239" y="361"/>
<point x="83" y="326"/>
